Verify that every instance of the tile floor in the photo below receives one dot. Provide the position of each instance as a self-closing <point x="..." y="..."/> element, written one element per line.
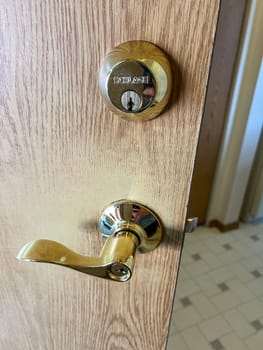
<point x="219" y="297"/>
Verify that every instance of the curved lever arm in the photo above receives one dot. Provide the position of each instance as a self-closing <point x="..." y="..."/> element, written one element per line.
<point x="115" y="262"/>
<point x="127" y="225"/>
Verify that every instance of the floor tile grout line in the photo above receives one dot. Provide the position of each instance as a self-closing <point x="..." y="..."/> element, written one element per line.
<point x="219" y="292"/>
<point x="241" y="259"/>
<point x="227" y="333"/>
<point x="221" y="313"/>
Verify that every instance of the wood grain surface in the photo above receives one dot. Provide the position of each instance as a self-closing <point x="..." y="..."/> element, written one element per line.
<point x="64" y="156"/>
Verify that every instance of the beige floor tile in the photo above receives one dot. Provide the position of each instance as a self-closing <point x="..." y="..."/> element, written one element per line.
<point x="176" y="342"/>
<point x="195" y="326"/>
<point x="183" y="275"/>
<point x="203" y="305"/>
<point x="186" y="317"/>
<point x="174" y="318"/>
<point x="194" y="247"/>
<point x="212" y="260"/>
<point x="212" y="245"/>
<point x="239" y="323"/>
<point x="240" y="272"/>
<point x="226" y="238"/>
<point x="242" y="249"/>
<point x="225" y="301"/>
<point x="260" y="268"/>
<point x="252" y="310"/>
<point x="172" y="329"/>
<point x="207" y="285"/>
<point x="215" y="328"/>
<point x="187" y="287"/>
<point x="241" y="290"/>
<point x="186" y="258"/>
<point x="252" y="263"/>
<point x="195" y="339"/>
<point x="255" y="342"/>
<point x="195" y="236"/>
<point x="258" y="248"/>
<point x="197" y="268"/>
<point x="221" y="274"/>
<point x="229" y="256"/>
<point x="233" y="342"/>
<point x="256" y="286"/>
<point x="257" y="228"/>
<point x="177" y="305"/>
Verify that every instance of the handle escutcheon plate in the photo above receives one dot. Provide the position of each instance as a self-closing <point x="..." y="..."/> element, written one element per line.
<point x="134" y="217"/>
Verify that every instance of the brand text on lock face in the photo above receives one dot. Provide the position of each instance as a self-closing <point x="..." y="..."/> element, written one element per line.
<point x="143" y="79"/>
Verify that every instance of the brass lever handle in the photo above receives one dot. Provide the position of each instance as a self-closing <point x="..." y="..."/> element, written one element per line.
<point x="126" y="225"/>
<point x="115" y="261"/>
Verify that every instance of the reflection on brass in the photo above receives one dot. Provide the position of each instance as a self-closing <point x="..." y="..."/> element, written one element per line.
<point x="126" y="225"/>
<point x="136" y="80"/>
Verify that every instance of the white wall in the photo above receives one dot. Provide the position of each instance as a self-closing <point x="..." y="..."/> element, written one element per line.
<point x="253" y="201"/>
<point x="242" y="129"/>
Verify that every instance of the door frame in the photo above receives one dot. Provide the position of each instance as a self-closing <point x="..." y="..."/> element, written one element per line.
<point x="229" y="27"/>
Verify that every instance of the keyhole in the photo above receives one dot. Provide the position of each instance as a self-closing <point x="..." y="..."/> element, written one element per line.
<point x="130" y="104"/>
<point x="119" y="269"/>
<point x="131" y="101"/>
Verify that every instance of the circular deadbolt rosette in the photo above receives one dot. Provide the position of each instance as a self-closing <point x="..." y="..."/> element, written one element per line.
<point x="134" y="217"/>
<point x="136" y="80"/>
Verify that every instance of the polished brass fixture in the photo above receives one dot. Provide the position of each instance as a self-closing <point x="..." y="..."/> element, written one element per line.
<point x="127" y="225"/>
<point x="136" y="80"/>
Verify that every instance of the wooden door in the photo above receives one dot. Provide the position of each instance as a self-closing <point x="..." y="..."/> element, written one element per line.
<point x="64" y="156"/>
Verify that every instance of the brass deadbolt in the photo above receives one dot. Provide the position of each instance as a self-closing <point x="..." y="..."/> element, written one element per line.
<point x="136" y="80"/>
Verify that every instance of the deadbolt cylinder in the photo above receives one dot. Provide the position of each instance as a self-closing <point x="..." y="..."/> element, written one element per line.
<point x="136" y="80"/>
